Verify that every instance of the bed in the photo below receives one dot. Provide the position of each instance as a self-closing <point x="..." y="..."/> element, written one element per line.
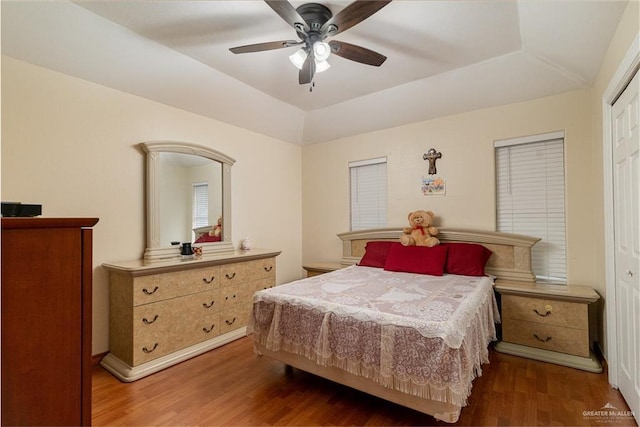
<point x="202" y="235"/>
<point x="411" y="325"/>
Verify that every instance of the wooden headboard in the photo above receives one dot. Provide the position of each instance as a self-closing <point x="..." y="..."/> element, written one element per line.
<point x="510" y="260"/>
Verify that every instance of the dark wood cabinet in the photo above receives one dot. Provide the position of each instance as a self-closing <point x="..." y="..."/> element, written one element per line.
<point x="46" y="321"/>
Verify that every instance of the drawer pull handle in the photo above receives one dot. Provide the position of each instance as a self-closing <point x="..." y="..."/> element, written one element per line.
<point x="207" y="330"/>
<point x="541" y="339"/>
<point x="268" y="269"/>
<point x="205" y="280"/>
<point x="230" y="322"/>
<point x="230" y="277"/>
<point x="146" y="350"/>
<point x="547" y="309"/>
<point x="148" y="322"/>
<point x="150" y="292"/>
<point x="205" y="305"/>
<point x="227" y="298"/>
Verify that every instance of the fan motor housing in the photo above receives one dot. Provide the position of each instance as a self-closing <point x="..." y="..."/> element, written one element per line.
<point x="314" y="14"/>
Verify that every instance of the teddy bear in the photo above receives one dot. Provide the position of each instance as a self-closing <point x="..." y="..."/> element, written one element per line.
<point x="216" y="230"/>
<point x="421" y="231"/>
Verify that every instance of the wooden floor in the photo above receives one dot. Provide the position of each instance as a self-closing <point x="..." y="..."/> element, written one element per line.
<point x="231" y="386"/>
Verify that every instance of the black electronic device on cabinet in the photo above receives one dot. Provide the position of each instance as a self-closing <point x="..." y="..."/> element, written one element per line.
<point x="15" y="209"/>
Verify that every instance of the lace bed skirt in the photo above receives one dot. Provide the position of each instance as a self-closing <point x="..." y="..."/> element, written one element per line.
<point x="397" y="357"/>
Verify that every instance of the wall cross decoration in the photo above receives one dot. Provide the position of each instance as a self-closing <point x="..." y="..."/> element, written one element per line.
<point x="432" y="155"/>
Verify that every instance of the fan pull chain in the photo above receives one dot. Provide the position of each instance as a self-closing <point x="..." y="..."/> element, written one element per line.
<point x="313" y="84"/>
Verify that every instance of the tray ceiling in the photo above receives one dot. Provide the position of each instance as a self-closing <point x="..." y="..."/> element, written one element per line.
<point x="444" y="57"/>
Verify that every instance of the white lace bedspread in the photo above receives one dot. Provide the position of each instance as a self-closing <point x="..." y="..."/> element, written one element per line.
<point x="419" y="334"/>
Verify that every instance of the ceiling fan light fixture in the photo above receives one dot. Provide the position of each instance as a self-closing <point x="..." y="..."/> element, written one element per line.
<point x="321" y="51"/>
<point x="298" y="58"/>
<point x="322" y="66"/>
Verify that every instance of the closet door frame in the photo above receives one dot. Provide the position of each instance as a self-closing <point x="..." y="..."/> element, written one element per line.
<point x="625" y="72"/>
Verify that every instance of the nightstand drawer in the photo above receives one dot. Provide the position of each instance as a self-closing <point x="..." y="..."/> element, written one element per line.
<point x="547" y="337"/>
<point x="546" y="311"/>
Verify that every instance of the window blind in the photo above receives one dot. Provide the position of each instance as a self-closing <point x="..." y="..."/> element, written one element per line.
<point x="531" y="201"/>
<point x="368" y="193"/>
<point x="200" y="205"/>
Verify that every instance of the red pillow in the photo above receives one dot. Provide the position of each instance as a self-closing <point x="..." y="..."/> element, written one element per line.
<point x="417" y="259"/>
<point x="466" y="259"/>
<point x="207" y="238"/>
<point x="375" y="254"/>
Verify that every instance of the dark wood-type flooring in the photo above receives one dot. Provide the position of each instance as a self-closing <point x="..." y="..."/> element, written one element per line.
<point x="231" y="386"/>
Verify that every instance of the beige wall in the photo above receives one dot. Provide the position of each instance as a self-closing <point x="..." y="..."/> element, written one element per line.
<point x="467" y="164"/>
<point x="72" y="146"/>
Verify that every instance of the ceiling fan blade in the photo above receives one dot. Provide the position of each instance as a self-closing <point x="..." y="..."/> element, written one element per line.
<point x="259" y="47"/>
<point x="351" y="15"/>
<point x="357" y="53"/>
<point x="288" y="13"/>
<point x="308" y="70"/>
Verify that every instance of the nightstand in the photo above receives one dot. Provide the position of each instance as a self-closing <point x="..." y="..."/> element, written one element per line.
<point x="548" y="323"/>
<point x="315" y="269"/>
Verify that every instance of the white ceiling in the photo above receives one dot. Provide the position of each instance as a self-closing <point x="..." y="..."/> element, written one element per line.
<point x="444" y="57"/>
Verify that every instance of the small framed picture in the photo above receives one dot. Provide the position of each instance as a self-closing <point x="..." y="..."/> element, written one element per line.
<point x="432" y="185"/>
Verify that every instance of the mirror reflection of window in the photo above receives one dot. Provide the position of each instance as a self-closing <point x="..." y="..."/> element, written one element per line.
<point x="190" y="197"/>
<point x="200" y="206"/>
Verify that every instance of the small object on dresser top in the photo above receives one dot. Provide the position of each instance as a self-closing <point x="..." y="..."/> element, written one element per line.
<point x="197" y="252"/>
<point x="246" y="244"/>
<point x="186" y="251"/>
<point x="18" y="209"/>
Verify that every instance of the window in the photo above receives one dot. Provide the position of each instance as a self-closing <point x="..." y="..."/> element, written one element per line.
<point x="530" y="199"/>
<point x="368" y="193"/>
<point x="200" y="205"/>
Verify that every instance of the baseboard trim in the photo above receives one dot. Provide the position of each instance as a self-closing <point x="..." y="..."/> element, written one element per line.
<point x="96" y="358"/>
<point x="126" y="373"/>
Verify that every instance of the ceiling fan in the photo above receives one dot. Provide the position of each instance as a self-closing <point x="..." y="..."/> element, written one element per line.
<point x="314" y="23"/>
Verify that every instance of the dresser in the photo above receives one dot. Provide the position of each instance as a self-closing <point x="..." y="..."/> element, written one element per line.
<point x="163" y="313"/>
<point x="548" y="323"/>
<point x="46" y="321"/>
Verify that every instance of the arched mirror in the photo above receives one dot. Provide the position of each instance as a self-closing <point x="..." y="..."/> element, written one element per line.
<point x="188" y="199"/>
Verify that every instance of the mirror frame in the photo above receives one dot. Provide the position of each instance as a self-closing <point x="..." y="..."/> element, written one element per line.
<point x="156" y="253"/>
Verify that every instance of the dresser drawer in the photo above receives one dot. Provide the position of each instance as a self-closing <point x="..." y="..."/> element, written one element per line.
<point x="262" y="284"/>
<point x="546" y="311"/>
<point x="158" y="287"/>
<point x="234" y="295"/>
<point x="234" y="318"/>
<point x="247" y="271"/>
<point x="176" y="310"/>
<point x="161" y="339"/>
<point x="547" y="337"/>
